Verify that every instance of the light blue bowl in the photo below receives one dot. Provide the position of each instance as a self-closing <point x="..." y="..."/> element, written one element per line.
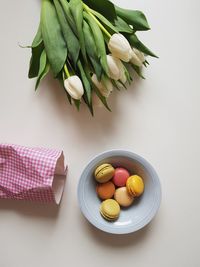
<point x="133" y="218"/>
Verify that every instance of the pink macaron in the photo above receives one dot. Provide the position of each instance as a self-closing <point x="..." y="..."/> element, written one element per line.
<point x="120" y="177"/>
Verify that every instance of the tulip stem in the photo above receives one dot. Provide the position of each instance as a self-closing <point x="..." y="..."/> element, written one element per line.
<point x="66" y="71"/>
<point x="88" y="10"/>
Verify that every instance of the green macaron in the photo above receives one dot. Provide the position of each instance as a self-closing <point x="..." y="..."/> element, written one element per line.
<point x="104" y="173"/>
<point x="110" y="209"/>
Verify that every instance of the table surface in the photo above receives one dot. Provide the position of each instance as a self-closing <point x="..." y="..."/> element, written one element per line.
<point x="157" y="118"/>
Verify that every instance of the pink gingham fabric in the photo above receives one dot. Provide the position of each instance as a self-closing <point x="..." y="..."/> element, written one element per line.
<point x="28" y="173"/>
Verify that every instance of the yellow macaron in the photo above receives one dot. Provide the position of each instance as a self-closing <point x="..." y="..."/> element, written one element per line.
<point x="135" y="185"/>
<point x="110" y="209"/>
<point x="104" y="173"/>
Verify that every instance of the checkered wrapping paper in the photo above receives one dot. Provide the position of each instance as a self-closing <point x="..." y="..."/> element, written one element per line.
<point x="29" y="173"/>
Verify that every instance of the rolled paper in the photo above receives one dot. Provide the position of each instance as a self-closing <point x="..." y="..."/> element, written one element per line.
<point x="35" y="174"/>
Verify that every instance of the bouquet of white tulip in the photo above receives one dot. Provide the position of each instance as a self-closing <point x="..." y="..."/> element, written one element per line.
<point x="88" y="45"/>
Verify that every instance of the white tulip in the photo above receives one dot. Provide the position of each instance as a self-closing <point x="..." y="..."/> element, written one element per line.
<point x="137" y="58"/>
<point x="74" y="87"/>
<point x="139" y="54"/>
<point x="120" y="47"/>
<point x="123" y="77"/>
<point x="105" y="86"/>
<point x="116" y="68"/>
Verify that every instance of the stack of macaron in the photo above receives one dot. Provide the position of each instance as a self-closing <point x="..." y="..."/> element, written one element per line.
<point x="116" y="188"/>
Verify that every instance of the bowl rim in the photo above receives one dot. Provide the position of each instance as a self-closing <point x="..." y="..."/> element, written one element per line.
<point x="123" y="153"/>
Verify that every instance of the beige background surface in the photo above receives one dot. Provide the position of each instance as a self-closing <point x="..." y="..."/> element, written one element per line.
<point x="157" y="118"/>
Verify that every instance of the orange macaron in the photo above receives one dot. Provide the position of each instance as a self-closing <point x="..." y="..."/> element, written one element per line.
<point x="105" y="190"/>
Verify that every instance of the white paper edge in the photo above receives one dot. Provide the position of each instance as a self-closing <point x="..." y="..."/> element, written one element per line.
<point x="59" y="179"/>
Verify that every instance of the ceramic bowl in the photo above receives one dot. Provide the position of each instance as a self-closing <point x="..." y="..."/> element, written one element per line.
<point x="132" y="218"/>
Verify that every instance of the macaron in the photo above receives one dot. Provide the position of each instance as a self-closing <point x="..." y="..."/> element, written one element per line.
<point x="123" y="197"/>
<point x="106" y="190"/>
<point x="135" y="185"/>
<point x="120" y="177"/>
<point x="104" y="173"/>
<point x="110" y="209"/>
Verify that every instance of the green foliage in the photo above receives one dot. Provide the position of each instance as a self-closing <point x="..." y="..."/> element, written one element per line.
<point x="72" y="39"/>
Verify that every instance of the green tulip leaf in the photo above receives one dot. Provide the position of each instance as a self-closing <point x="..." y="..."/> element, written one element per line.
<point x="122" y="26"/>
<point x="86" y="83"/>
<point x="90" y="107"/>
<point x="70" y="39"/>
<point x="68" y="15"/>
<point x="61" y="78"/>
<point x="37" y="48"/>
<point x="54" y="42"/>
<point x="38" y="37"/>
<point x="105" y="7"/>
<point x="91" y="49"/>
<point x="35" y="61"/>
<point x="127" y="73"/>
<point x="43" y="70"/>
<point x="133" y="17"/>
<point x="76" y="7"/>
<point x="101" y="97"/>
<point x="115" y="85"/>
<point x="135" y="42"/>
<point x="96" y="90"/>
<point x="138" y="70"/>
<point x="99" y="41"/>
<point x="77" y="104"/>
<point x="104" y="21"/>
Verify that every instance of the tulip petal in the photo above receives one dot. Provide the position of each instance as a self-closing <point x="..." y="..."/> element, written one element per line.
<point x="74" y="87"/>
<point x="113" y="68"/>
<point x="120" y="47"/>
<point x="135" y="60"/>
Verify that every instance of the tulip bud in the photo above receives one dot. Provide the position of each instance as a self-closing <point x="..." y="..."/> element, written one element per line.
<point x="136" y="58"/>
<point x="120" y="47"/>
<point x="139" y="54"/>
<point x="74" y="87"/>
<point x="105" y="86"/>
<point x="115" y="67"/>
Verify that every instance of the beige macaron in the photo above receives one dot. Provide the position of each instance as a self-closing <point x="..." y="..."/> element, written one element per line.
<point x="123" y="198"/>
